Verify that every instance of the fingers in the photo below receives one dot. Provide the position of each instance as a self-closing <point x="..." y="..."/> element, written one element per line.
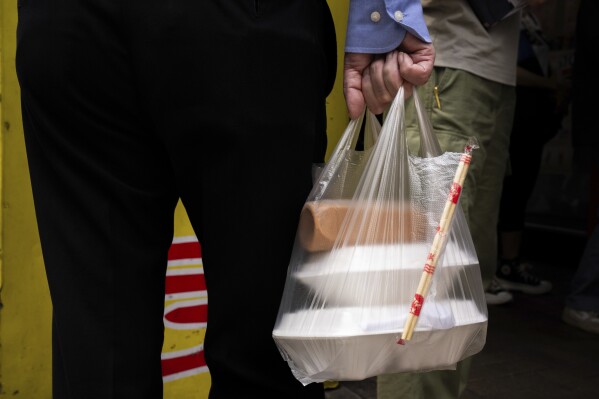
<point x="381" y="81"/>
<point x="417" y="65"/>
<point x="416" y="73"/>
<point x="353" y="69"/>
<point x="352" y="91"/>
<point x="373" y="82"/>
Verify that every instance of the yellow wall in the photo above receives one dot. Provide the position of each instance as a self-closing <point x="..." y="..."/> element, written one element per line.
<point x="26" y="312"/>
<point x="25" y="309"/>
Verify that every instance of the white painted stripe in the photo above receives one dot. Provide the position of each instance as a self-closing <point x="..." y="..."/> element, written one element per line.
<point x="184" y="304"/>
<point x="184" y="239"/>
<point x="182" y="352"/>
<point x="186" y="295"/>
<point x="184" y="262"/>
<point x="185" y="272"/>
<point x="184" y="374"/>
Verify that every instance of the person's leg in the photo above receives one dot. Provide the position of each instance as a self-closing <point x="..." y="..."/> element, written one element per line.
<point x="534" y="125"/>
<point x="584" y="291"/>
<point x="434" y="384"/>
<point x="582" y="303"/>
<point x="458" y="118"/>
<point x="104" y="199"/>
<point x="494" y="132"/>
<point x="470" y="106"/>
<point x="525" y="152"/>
<point x="239" y="93"/>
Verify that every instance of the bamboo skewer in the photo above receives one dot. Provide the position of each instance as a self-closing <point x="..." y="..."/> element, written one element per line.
<point x="438" y="244"/>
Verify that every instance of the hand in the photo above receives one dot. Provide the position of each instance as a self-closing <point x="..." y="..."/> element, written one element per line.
<point x="373" y="80"/>
<point x="418" y="67"/>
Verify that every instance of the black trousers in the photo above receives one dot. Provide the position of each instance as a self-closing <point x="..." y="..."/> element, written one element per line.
<point x="129" y="106"/>
<point x="536" y="122"/>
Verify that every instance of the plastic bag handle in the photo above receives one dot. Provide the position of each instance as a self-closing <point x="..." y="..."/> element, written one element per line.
<point x="372" y="128"/>
<point x="429" y="145"/>
<point x="348" y="141"/>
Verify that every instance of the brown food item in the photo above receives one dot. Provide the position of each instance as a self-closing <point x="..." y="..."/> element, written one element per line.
<point x="321" y="223"/>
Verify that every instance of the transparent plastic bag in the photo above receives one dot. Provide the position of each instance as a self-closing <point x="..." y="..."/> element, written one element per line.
<point x="363" y="239"/>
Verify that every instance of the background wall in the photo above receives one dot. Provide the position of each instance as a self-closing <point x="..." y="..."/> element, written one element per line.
<point x="25" y="311"/>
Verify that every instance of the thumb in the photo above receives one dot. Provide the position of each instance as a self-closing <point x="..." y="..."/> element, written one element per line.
<point x="353" y="68"/>
<point x="354" y="99"/>
<point x="415" y="73"/>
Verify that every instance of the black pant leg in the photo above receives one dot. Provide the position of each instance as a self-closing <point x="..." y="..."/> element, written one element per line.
<point x="238" y="90"/>
<point x="127" y="104"/>
<point x="104" y="199"/>
<point x="535" y="124"/>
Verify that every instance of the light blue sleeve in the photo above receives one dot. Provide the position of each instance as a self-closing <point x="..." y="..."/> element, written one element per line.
<point x="379" y="26"/>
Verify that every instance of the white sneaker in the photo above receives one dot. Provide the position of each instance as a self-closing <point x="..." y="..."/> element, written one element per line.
<point x="496" y="294"/>
<point x="587" y="321"/>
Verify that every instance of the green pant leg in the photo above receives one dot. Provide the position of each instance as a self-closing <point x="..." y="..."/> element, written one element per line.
<point x="471" y="106"/>
<point x="484" y="214"/>
<point x="440" y="384"/>
<point x="465" y="106"/>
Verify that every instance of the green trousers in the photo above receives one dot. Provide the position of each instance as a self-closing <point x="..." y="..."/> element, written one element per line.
<point x="443" y="384"/>
<point x="462" y="105"/>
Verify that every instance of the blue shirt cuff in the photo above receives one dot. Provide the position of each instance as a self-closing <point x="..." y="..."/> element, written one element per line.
<point x="379" y="26"/>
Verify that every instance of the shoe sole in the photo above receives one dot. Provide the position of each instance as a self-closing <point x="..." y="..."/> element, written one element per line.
<point x="498" y="301"/>
<point x="525" y="288"/>
<point x="574" y="322"/>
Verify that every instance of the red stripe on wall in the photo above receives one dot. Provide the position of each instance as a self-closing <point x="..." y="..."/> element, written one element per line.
<point x="188" y="314"/>
<point x="183" y="363"/>
<point x="185" y="250"/>
<point x="185" y="283"/>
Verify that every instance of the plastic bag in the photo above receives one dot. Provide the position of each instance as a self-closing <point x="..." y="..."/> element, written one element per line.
<point x="364" y="235"/>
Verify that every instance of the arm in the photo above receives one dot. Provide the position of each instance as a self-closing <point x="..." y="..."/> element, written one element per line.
<point x="559" y="91"/>
<point x="526" y="78"/>
<point x="379" y="35"/>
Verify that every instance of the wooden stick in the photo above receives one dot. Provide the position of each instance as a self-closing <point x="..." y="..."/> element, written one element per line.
<point x="438" y="244"/>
